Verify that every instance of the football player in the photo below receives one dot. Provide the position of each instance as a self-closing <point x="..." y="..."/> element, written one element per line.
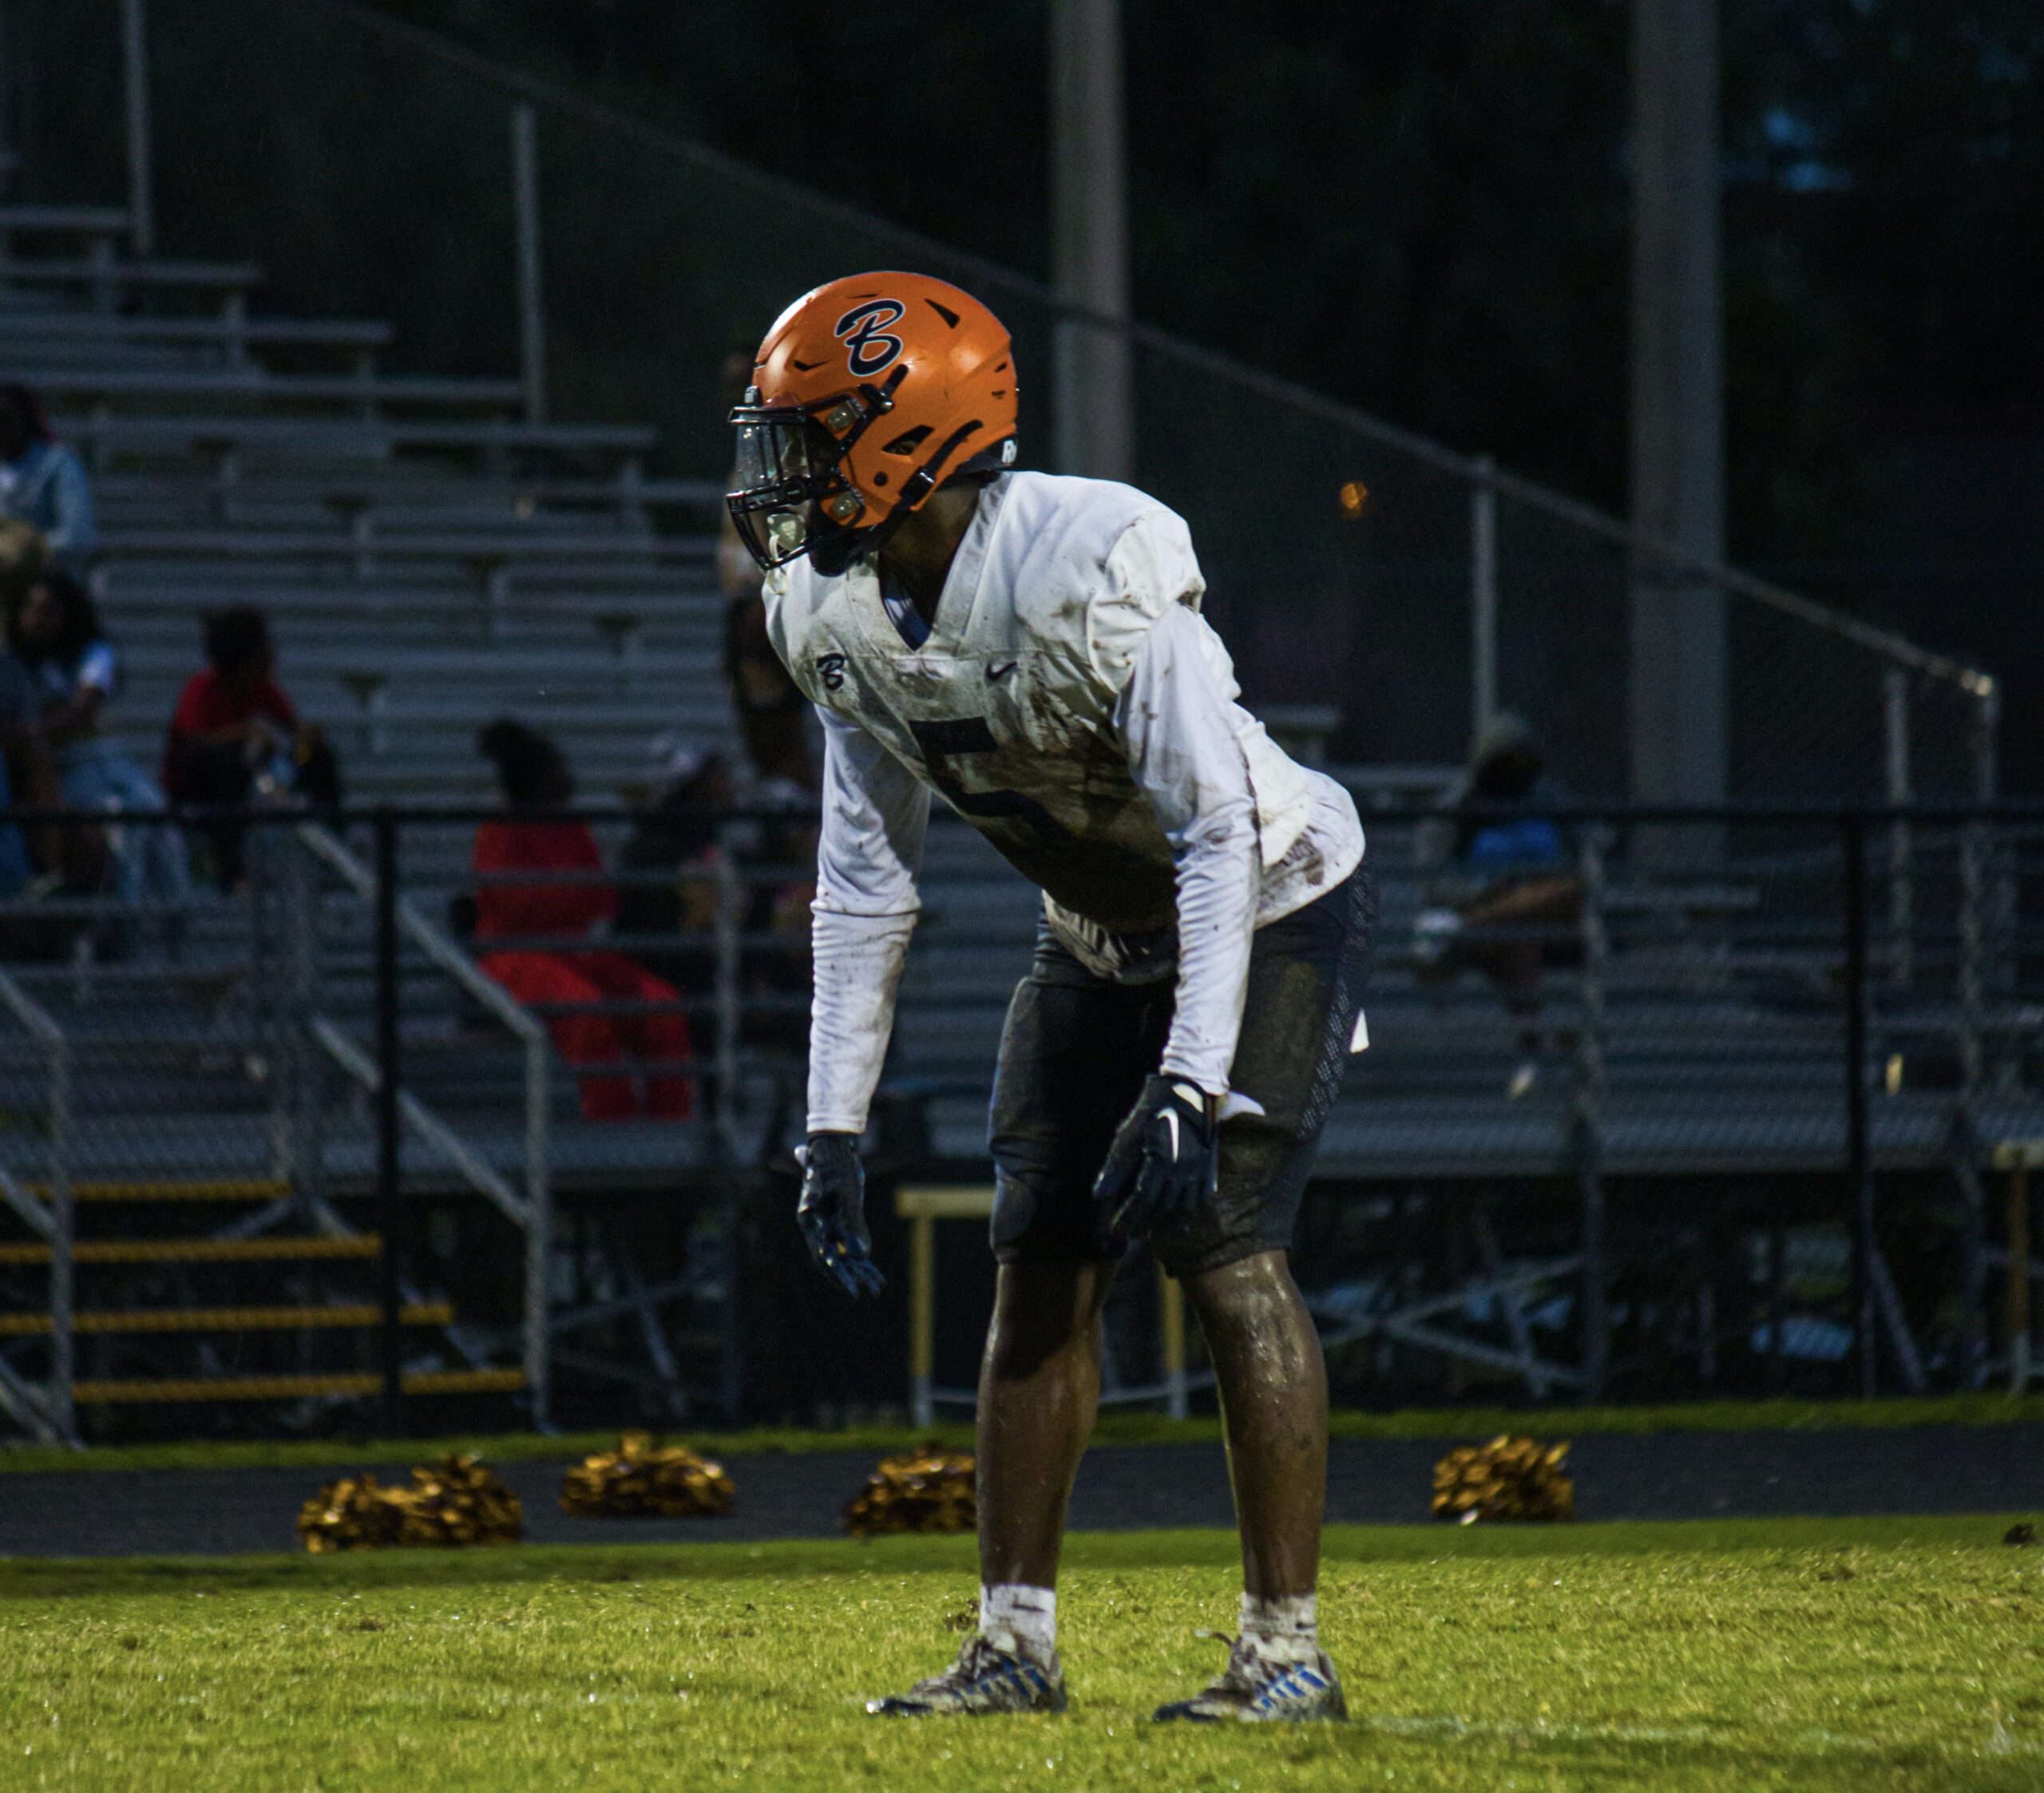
<point x="1030" y="649"/>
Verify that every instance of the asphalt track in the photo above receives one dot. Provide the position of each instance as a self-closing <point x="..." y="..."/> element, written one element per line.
<point x="1665" y="1475"/>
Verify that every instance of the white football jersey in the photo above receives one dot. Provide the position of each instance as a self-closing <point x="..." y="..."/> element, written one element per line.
<point x="1007" y="709"/>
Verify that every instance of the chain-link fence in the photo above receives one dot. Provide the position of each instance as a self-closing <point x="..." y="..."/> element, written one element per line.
<point x="421" y="1106"/>
<point x="572" y="1188"/>
<point x="1748" y="1117"/>
<point x="1414" y="590"/>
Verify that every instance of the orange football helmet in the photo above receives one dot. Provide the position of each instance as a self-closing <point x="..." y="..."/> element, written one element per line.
<point x="868" y="394"/>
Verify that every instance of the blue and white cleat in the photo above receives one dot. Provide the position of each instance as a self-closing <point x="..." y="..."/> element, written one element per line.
<point x="1252" y="1690"/>
<point x="985" y="1678"/>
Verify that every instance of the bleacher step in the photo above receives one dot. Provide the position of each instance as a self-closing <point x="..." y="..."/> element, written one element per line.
<point x="228" y="1320"/>
<point x="86" y="221"/>
<point x="200" y="1251"/>
<point x="231" y="1189"/>
<point x="293" y="1387"/>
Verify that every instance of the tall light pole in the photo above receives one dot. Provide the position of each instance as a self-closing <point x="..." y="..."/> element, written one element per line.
<point x="1678" y="646"/>
<point x="1091" y="401"/>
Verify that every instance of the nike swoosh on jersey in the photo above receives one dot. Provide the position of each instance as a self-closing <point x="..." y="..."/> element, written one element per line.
<point x="997" y="673"/>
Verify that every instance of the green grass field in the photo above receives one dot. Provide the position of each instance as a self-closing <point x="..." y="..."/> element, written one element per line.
<point x="1863" y="1654"/>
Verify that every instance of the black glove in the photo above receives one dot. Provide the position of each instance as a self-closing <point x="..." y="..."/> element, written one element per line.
<point x="1165" y="1160"/>
<point x="832" y="1213"/>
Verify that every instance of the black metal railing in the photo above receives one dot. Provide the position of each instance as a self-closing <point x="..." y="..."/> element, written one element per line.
<point x="1835" y="997"/>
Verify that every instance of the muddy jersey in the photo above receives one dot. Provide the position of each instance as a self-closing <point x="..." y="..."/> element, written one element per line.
<point x="1007" y="710"/>
<point x="1068" y="701"/>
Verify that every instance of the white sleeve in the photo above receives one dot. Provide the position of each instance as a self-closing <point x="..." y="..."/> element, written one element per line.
<point x="871" y="845"/>
<point x="1176" y="722"/>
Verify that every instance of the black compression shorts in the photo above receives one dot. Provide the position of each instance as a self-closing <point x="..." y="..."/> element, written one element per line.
<point x="1077" y="1048"/>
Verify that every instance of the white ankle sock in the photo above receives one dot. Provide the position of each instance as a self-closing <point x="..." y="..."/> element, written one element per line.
<point x="1283" y="1629"/>
<point x="1019" y="1618"/>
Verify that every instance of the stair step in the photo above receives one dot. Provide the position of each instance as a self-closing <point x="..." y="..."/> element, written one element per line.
<point x="231" y="1189"/>
<point x="294" y="1387"/>
<point x="199" y="1251"/>
<point x="227" y="1319"/>
<point x="89" y="219"/>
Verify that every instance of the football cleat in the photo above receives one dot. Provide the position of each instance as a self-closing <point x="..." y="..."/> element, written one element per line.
<point x="1253" y="1689"/>
<point x="985" y="1678"/>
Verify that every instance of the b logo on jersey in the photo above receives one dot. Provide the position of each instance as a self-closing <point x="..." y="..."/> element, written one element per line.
<point x="864" y="329"/>
<point x="831" y="668"/>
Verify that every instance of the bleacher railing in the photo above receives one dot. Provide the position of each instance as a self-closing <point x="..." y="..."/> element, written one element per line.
<point x="508" y="225"/>
<point x="1838" y="1009"/>
<point x="317" y="1042"/>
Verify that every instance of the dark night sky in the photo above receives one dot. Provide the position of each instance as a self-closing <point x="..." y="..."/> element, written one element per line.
<point x="1424" y="208"/>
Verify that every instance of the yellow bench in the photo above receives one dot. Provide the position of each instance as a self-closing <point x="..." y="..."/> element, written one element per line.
<point x="922" y="1205"/>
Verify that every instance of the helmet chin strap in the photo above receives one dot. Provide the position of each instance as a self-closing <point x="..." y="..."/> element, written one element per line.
<point x="836" y="549"/>
<point x="832" y="552"/>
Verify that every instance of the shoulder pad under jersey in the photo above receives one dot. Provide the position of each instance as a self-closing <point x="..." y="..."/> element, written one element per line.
<point x="1092" y="564"/>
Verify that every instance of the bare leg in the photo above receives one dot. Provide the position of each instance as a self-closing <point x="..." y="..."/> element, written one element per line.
<point x="1274" y="1401"/>
<point x="1039" y="1391"/>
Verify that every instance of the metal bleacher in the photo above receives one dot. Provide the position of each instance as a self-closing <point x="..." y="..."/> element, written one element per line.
<point x="431" y="559"/>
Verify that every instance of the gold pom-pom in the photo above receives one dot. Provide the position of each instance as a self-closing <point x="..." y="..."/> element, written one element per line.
<point x="928" y="1490"/>
<point x="641" y="1478"/>
<point x="455" y="1501"/>
<point x="1507" y="1479"/>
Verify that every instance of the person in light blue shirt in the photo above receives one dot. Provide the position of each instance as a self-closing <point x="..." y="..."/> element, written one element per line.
<point x="42" y="483"/>
<point x="53" y="632"/>
<point x="1502" y="893"/>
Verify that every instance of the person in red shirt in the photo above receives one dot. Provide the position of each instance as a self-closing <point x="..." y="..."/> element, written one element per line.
<point x="236" y="738"/>
<point x="541" y="924"/>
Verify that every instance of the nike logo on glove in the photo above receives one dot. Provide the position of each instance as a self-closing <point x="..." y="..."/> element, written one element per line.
<point x="995" y="674"/>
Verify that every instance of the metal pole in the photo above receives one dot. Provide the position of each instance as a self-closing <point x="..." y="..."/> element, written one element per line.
<point x="922" y="1318"/>
<point x="62" y="1227"/>
<point x="1588" y="1120"/>
<point x="388" y="1186"/>
<point x="1859" y="1160"/>
<point x="729" y="891"/>
<point x="1999" y="969"/>
<point x="1482" y="596"/>
<point x="7" y="99"/>
<point x="1091" y="404"/>
<point x="302" y="1002"/>
<point x="1966" y="1129"/>
<point x="2018" y="1287"/>
<point x="532" y="311"/>
<point x="539" y="1237"/>
<point x="1988" y="728"/>
<point x="1901" y="871"/>
<point x="1677" y="403"/>
<point x="141" y="206"/>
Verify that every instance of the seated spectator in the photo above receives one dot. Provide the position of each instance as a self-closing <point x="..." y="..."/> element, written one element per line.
<point x="1503" y="899"/>
<point x="42" y="483"/>
<point x="68" y="859"/>
<point x="541" y="925"/>
<point x="234" y="738"/>
<point x="53" y="632"/>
